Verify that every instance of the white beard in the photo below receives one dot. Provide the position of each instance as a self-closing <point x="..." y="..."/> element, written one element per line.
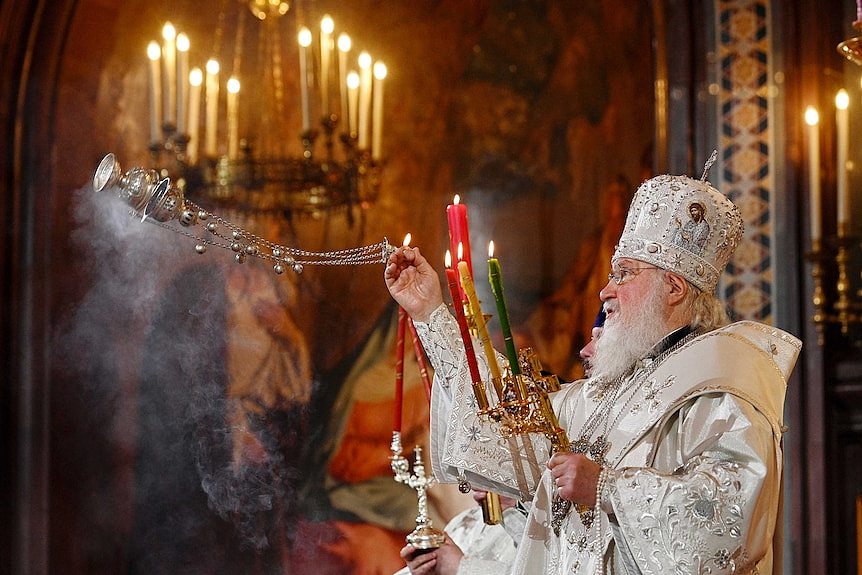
<point x="629" y="336"/>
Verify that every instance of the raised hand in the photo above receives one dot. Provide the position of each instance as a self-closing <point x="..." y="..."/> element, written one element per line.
<point x="413" y="283"/>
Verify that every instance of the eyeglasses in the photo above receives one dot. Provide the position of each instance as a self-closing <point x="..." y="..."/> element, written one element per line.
<point x="623" y="275"/>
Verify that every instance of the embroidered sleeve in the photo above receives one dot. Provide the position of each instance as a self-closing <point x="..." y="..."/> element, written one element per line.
<point x="463" y="445"/>
<point x="715" y="512"/>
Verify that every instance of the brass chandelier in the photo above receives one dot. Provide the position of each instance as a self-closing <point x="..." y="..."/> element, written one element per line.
<point x="222" y="132"/>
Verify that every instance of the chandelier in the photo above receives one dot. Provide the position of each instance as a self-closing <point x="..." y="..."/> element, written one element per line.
<point x="222" y="130"/>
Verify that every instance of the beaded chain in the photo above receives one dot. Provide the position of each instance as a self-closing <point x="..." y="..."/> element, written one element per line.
<point x="246" y="244"/>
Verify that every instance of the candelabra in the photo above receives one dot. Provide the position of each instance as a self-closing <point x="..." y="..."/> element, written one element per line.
<point x="424" y="536"/>
<point x="843" y="305"/>
<point x="835" y="257"/>
<point x="525" y="407"/>
<point x="239" y="160"/>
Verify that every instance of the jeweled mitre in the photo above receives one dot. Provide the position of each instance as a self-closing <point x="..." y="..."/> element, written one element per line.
<point x="683" y="225"/>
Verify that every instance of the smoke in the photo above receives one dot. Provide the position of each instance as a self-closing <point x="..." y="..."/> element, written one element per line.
<point x="215" y="475"/>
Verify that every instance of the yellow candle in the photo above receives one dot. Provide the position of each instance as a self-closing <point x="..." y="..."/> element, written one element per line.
<point x="377" y="117"/>
<point x="481" y="328"/>
<point x="304" y="43"/>
<point x="182" y="78"/>
<point x="352" y="101"/>
<point x="196" y="78"/>
<point x="233" y="118"/>
<point x="811" y="119"/>
<point x="344" y="45"/>
<point x="154" y="53"/>
<point x="842" y="124"/>
<point x="212" y="87"/>
<point x="364" y="97"/>
<point x="169" y="33"/>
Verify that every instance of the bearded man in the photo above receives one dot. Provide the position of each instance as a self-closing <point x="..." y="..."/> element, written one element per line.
<point x="676" y="459"/>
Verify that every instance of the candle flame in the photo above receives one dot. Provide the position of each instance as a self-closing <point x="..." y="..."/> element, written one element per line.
<point x="154" y="51"/>
<point x="213" y="66"/>
<point x="233" y="85"/>
<point x="460" y="251"/>
<point x="168" y="31"/>
<point x="327" y="25"/>
<point x="457" y="199"/>
<point x="183" y="42"/>
<point x="407" y="239"/>
<point x="344" y="43"/>
<point x="364" y="60"/>
<point x="448" y="259"/>
<point x="491" y="249"/>
<point x="842" y="99"/>
<point x="379" y="70"/>
<point x="353" y="80"/>
<point x="196" y="77"/>
<point x="304" y="37"/>
<point x="811" y="116"/>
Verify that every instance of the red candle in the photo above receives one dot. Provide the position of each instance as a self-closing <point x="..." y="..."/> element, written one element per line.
<point x="420" y="359"/>
<point x="458" y="304"/>
<point x="459" y="232"/>
<point x="399" y="368"/>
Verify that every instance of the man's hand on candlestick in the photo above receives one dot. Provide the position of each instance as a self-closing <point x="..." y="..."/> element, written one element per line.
<point x="413" y="283"/>
<point x="443" y="560"/>
<point x="575" y="477"/>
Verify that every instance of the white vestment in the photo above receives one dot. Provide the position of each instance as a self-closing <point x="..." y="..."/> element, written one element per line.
<point x="695" y="458"/>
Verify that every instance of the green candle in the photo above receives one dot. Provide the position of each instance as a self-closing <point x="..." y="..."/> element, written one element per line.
<point x="495" y="276"/>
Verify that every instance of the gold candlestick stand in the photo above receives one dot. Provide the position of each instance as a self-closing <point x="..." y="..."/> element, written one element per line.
<point x="846" y="307"/>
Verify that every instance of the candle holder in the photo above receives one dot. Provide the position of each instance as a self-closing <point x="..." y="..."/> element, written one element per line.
<point x="840" y="305"/>
<point x="525" y="406"/>
<point x="424" y="536"/>
<point x="328" y="173"/>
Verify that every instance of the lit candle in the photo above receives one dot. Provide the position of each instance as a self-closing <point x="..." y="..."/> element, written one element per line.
<point x="304" y="43"/>
<point x="481" y="327"/>
<point x="496" y="279"/>
<point x="326" y="28"/>
<point x="211" y="125"/>
<point x="154" y="53"/>
<point x="377" y="116"/>
<point x="352" y="100"/>
<point x="459" y="231"/>
<point x="811" y="119"/>
<point x="399" y="368"/>
<point x="399" y="359"/>
<point x="182" y="77"/>
<point x="364" y="97"/>
<point x="196" y="78"/>
<point x="344" y="45"/>
<point x="420" y="359"/>
<point x="458" y="307"/>
<point x="233" y="118"/>
<point x="169" y="34"/>
<point x="842" y="101"/>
